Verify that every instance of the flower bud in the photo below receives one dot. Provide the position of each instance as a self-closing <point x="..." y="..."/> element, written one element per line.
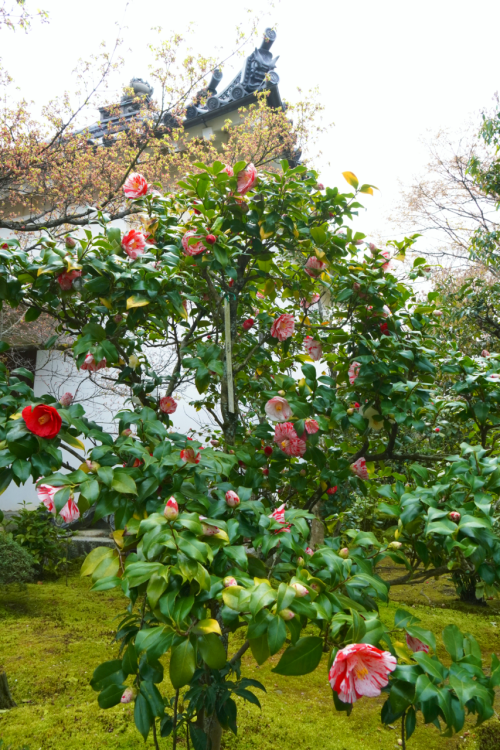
<point x="281" y="393"/>
<point x="118" y="318"/>
<point x="302" y="472"/>
<point x="215" y="443"/>
<point x="126" y="433"/>
<point x="265" y="471"/>
<point x="309" y="551"/>
<point x="128" y="695"/>
<point x="455" y="516"/>
<point x="344" y="553"/>
<point x="229" y="581"/>
<point x="232" y="499"/>
<point x="211" y="239"/>
<point x="287" y="614"/>
<point x="350" y="412"/>
<point x="395" y="545"/>
<point x="268" y="450"/>
<point x="66" y="399"/>
<point x="208" y="530"/>
<point x="133" y="361"/>
<point x="300" y="561"/>
<point x="300" y="590"/>
<point x="171" y="509"/>
<point x="331" y="490"/>
<point x="437" y="429"/>
<point x="485" y="353"/>
<point x="437" y="313"/>
<point x="70" y="242"/>
<point x="92" y="466"/>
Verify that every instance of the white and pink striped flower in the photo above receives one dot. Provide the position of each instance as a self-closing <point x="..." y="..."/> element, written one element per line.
<point x="359" y="468"/>
<point x="195" y="248"/>
<point x="306" y="304"/>
<point x="168" y="405"/>
<point x="278" y="409"/>
<point x="288" y="440"/>
<point x="313" y="348"/>
<point x="171" y="510"/>
<point x="311" y="426"/>
<point x="228" y="170"/>
<point x="360" y="669"/>
<point x="314" y="267"/>
<point x="353" y="372"/>
<point x="46" y="494"/>
<point x="70" y="511"/>
<point x="91" y="365"/>
<point x="278" y="515"/>
<point x="134" y="243"/>
<point x="246" y="179"/>
<point x="283" y="327"/>
<point x="135" y="186"/>
<point x="66" y="399"/>
<point x="415" y="644"/>
<point x="386" y="254"/>
<point x="232" y="499"/>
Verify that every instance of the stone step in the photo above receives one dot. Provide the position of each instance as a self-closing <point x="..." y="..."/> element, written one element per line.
<point x="84" y="541"/>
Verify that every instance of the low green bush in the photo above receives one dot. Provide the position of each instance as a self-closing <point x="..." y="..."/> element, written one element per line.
<point x="16" y="563"/>
<point x="36" y="532"/>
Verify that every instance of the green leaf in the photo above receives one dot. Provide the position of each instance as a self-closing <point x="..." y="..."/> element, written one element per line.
<point x="105" y="473"/>
<point x="61" y="498"/>
<point x="302" y="658"/>
<point x="286" y="595"/>
<point x="22" y="469"/>
<point x="351" y="178"/>
<point x="453" y="642"/>
<point x="182" y="663"/>
<point x="204" y="627"/>
<point x="123" y="483"/>
<point x="90" y="490"/>
<point x="108" y="673"/>
<point x="110" y="696"/>
<point x="276" y="634"/>
<point x="260" y="649"/>
<point x="94" y="559"/>
<point x="212" y="651"/>
<point x="143" y="715"/>
<point x="153" y="697"/>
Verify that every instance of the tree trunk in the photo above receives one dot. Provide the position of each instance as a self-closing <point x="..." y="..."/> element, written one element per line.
<point x="212" y="729"/>
<point x="317" y="528"/>
<point x="6" y="700"/>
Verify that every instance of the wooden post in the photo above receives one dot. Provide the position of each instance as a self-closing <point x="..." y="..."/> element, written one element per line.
<point x="6" y="699"/>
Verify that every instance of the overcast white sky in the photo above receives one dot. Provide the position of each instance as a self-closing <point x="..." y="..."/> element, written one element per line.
<point x="388" y="71"/>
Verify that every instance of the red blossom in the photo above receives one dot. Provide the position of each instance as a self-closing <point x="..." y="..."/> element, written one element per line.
<point x="65" y="279"/>
<point x="134" y="243"/>
<point x="42" y="420"/>
<point x="247" y="324"/>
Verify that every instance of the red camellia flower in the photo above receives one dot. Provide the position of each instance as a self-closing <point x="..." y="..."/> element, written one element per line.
<point x="194" y="249"/>
<point x="288" y="440"/>
<point x="360" y="669"/>
<point x="137" y="463"/>
<point x="455" y="516"/>
<point x="168" y="405"/>
<point x="247" y="179"/>
<point x="279" y="516"/>
<point x="384" y="328"/>
<point x="232" y="499"/>
<point x="189" y="456"/>
<point x="359" y="468"/>
<point x="247" y="324"/>
<point x="171" y="510"/>
<point x="353" y="372"/>
<point x="313" y="348"/>
<point x="278" y="409"/>
<point x="70" y="511"/>
<point x="42" y="420"/>
<point x="65" y="279"/>
<point x="437" y="429"/>
<point x="265" y="471"/>
<point x="268" y="450"/>
<point x="415" y="644"/>
<point x="211" y="239"/>
<point x="134" y="243"/>
<point x="331" y="490"/>
<point x="283" y="326"/>
<point x="90" y="364"/>
<point x="314" y="267"/>
<point x="135" y="186"/>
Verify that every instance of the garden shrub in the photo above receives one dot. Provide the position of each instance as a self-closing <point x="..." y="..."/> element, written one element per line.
<point x="40" y="538"/>
<point x="16" y="564"/>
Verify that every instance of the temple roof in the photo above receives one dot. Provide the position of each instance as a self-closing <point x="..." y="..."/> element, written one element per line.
<point x="257" y="74"/>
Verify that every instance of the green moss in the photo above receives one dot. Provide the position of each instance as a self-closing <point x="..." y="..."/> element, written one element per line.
<point x="53" y="636"/>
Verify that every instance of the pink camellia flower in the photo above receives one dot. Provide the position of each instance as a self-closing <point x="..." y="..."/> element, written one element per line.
<point x="189" y="456"/>
<point x="485" y="353"/>
<point x="306" y="304"/>
<point x="288" y="440"/>
<point x="283" y="326"/>
<point x="311" y="426"/>
<point x="279" y="516"/>
<point x="313" y="348"/>
<point x="353" y="372"/>
<point x="278" y="409"/>
<point x="360" y="669"/>
<point x="455" y="516"/>
<point x="70" y="511"/>
<point x="196" y="248"/>
<point x="134" y="243"/>
<point x="314" y="267"/>
<point x="228" y="170"/>
<point x="415" y="644"/>
<point x="319" y="186"/>
<point x="359" y="468"/>
<point x="246" y="179"/>
<point x="168" y="405"/>
<point x="46" y="494"/>
<point x="386" y="311"/>
<point x="300" y="590"/>
<point x="259" y="295"/>
<point x="247" y="324"/>
<point x="171" y="510"/>
<point x="91" y="365"/>
<point x="229" y="581"/>
<point x="386" y="254"/>
<point x="65" y="279"/>
<point x="135" y="186"/>
<point x="309" y="551"/>
<point x="66" y="399"/>
<point x="128" y="696"/>
<point x="232" y="499"/>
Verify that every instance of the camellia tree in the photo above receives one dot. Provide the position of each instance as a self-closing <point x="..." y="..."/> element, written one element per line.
<point x="319" y="369"/>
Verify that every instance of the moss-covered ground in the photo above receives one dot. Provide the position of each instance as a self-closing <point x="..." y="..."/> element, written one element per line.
<point x="52" y="636"/>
